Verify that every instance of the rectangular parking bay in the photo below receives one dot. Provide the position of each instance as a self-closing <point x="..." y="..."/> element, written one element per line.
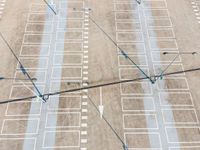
<point x="137" y="104"/>
<point x="186" y="134"/>
<point x="34" y="50"/>
<point x="128" y="26"/>
<point x="139" y="121"/>
<point x="32" y="63"/>
<point x="173" y="84"/>
<point x="156" y="13"/>
<point x="66" y="103"/>
<point x="130" y="37"/>
<point x="140" y="60"/>
<point x="163" y="44"/>
<point x="161" y="22"/>
<point x="64" y="139"/>
<point x="132" y="48"/>
<point x="16" y="143"/>
<point x="37" y="38"/>
<point x="23" y="108"/>
<point x="136" y="88"/>
<point x="181" y="116"/>
<point x="19" y="91"/>
<point x="175" y="99"/>
<point x="70" y="24"/>
<point x="161" y="33"/>
<point x="18" y="126"/>
<point x="67" y="72"/>
<point x="155" y="4"/>
<point x="40" y="17"/>
<point x="70" y="35"/>
<point x="136" y="140"/>
<point x="69" y="47"/>
<point x="68" y="59"/>
<point x="126" y="7"/>
<point x="125" y="16"/>
<point x="64" y="119"/>
<point x="32" y="73"/>
<point x="38" y="8"/>
<point x="38" y="28"/>
<point x="130" y="73"/>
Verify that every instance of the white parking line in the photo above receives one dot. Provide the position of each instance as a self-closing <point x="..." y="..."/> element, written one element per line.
<point x="196" y="10"/>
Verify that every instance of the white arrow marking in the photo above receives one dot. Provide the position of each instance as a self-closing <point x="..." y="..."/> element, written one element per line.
<point x="101" y="107"/>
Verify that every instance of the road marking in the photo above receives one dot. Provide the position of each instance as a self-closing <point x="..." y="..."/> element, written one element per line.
<point x="196" y="10"/>
<point x="84" y="117"/>
<point x="101" y="107"/>
<point x="85" y="96"/>
<point x="84" y="125"/>
<point x="83" y="132"/>
<point x="85" y="78"/>
<point x="84" y="103"/>
<point x="83" y="140"/>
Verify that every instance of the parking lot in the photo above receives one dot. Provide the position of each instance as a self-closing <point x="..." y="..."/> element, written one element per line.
<point x="81" y="46"/>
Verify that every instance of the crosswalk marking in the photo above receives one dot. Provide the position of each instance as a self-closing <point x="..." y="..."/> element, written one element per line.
<point x="196" y="10"/>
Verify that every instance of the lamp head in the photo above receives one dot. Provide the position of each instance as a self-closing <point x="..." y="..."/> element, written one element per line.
<point x="164" y="53"/>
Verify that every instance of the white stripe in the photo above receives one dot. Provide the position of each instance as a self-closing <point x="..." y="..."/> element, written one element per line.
<point x="84" y="117"/>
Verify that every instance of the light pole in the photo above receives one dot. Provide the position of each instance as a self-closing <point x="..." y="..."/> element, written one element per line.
<point x="8" y="78"/>
<point x="138" y="1"/>
<point x="50" y="6"/>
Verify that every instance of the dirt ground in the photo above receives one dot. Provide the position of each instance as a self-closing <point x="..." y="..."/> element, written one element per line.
<point x="79" y="46"/>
